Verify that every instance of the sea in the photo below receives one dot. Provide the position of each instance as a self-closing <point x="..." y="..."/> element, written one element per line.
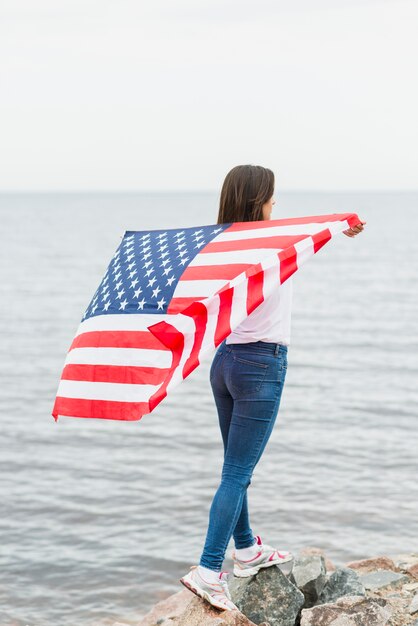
<point x="100" y="518"/>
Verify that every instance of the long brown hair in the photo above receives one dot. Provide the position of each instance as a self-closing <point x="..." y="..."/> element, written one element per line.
<point x="244" y="191"/>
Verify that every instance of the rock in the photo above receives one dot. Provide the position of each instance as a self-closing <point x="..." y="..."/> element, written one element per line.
<point x="186" y="609"/>
<point x="348" y="611"/>
<point x="383" y="578"/>
<point x="407" y="563"/>
<point x="312" y="551"/>
<point x="368" y="592"/>
<point x="370" y="565"/>
<point x="309" y="575"/>
<point x="343" y="582"/>
<point x="167" y="609"/>
<point x="405" y="559"/>
<point x="267" y="597"/>
<point x="413" y="570"/>
<point x="200" y="613"/>
<point x="413" y="607"/>
<point x="399" y="607"/>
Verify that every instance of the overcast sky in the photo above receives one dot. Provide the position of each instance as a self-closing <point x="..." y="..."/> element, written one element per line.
<point x="170" y="94"/>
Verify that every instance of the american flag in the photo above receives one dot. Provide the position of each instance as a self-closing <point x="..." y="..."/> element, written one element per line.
<point x="169" y="297"/>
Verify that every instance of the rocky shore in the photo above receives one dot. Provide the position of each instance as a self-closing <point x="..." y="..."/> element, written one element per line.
<point x="378" y="591"/>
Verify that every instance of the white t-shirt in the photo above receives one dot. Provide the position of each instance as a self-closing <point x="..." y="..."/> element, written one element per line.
<point x="270" y="321"/>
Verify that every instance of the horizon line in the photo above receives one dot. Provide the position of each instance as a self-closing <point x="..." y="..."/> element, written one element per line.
<point x="192" y="191"/>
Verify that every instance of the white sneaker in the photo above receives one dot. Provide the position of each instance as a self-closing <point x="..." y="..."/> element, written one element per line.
<point x="265" y="556"/>
<point x="217" y="594"/>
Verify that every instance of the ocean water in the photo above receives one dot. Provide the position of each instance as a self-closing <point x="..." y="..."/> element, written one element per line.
<point x="99" y="519"/>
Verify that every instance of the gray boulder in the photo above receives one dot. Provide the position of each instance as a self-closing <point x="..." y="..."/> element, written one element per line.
<point x="342" y="582"/>
<point x="309" y="576"/>
<point x="268" y="597"/>
<point x="383" y="578"/>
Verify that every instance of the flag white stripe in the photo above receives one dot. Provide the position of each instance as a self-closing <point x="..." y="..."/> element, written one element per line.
<point x="234" y="256"/>
<point x="304" y="249"/>
<point x="274" y="231"/>
<point x="135" y="357"/>
<point x="119" y="392"/>
<point x="198" y="288"/>
<point x="239" y="304"/>
<point x="271" y="277"/>
<point x="338" y="227"/>
<point x="186" y="325"/>
<point x="131" y="321"/>
<point x="212" y="307"/>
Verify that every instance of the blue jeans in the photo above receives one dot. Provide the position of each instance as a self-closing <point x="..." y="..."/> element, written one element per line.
<point x="247" y="383"/>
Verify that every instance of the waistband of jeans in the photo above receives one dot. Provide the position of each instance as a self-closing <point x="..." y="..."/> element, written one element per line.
<point x="263" y="346"/>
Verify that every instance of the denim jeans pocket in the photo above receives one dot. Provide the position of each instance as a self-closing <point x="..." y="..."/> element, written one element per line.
<point x="247" y="374"/>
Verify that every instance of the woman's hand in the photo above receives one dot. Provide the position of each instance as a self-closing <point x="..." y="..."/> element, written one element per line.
<point x="352" y="232"/>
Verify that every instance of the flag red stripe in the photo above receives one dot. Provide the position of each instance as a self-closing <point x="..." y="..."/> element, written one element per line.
<point x="213" y="272"/>
<point x="353" y="219"/>
<point x="102" y="409"/>
<point x="115" y="374"/>
<point x="173" y="339"/>
<point x="255" y="288"/>
<point x="117" y="339"/>
<point x="278" y="242"/>
<point x="199" y="313"/>
<point x="320" y="239"/>
<point x="223" y="326"/>
<point x="288" y="263"/>
<point x="177" y="305"/>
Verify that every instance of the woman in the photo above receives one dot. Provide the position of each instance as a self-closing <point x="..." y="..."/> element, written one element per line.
<point x="247" y="377"/>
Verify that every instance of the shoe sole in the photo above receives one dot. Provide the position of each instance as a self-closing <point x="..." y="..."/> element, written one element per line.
<point x="204" y="594"/>
<point x="285" y="566"/>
